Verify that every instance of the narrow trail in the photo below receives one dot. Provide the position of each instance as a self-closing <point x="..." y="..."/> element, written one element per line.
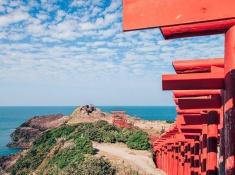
<point x="142" y="160"/>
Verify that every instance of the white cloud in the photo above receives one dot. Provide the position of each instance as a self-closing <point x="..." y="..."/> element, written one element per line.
<point x="78" y="3"/>
<point x="13" y="17"/>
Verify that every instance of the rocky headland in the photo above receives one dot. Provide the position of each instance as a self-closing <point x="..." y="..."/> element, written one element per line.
<point x="46" y="140"/>
<point x="24" y="136"/>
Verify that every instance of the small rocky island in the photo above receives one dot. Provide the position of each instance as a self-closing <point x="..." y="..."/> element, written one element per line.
<point x="86" y="142"/>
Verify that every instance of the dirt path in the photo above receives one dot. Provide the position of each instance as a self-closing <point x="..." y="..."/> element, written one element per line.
<point x="139" y="160"/>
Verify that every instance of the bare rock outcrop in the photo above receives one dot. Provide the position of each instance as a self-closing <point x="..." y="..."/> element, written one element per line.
<point x="88" y="113"/>
<point x="28" y="132"/>
<point x="8" y="161"/>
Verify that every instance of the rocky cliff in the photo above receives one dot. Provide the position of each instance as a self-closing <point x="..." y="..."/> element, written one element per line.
<point x="28" y="132"/>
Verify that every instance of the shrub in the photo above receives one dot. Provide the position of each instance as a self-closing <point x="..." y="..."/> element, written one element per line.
<point x="66" y="157"/>
<point x="138" y="140"/>
<point x="95" y="134"/>
<point x="63" y="131"/>
<point x="104" y="125"/>
<point x="101" y="123"/>
<point x="92" y="166"/>
<point x="84" y="145"/>
<point x="109" y="137"/>
<point x="34" y="157"/>
<point x="126" y="134"/>
<point x="100" y="131"/>
<point x="39" y="151"/>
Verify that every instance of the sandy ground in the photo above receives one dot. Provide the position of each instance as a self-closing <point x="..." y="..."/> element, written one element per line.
<point x="152" y="127"/>
<point x="140" y="161"/>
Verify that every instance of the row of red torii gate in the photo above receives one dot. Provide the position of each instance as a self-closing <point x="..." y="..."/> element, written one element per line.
<point x="202" y="140"/>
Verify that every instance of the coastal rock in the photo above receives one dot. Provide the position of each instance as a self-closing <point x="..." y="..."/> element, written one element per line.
<point x="23" y="137"/>
<point x="87" y="111"/>
<point x="28" y="132"/>
<point x="7" y="161"/>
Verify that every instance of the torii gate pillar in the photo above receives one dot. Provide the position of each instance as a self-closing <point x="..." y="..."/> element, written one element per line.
<point x="229" y="100"/>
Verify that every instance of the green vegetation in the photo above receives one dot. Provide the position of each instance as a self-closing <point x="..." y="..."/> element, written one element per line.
<point x="93" y="165"/>
<point x="138" y="140"/>
<point x="68" y="149"/>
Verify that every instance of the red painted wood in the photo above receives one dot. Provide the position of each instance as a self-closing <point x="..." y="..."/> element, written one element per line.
<point x="187" y="159"/>
<point x="181" y="158"/>
<point x="193" y="93"/>
<point x="187" y="126"/>
<point x="212" y="139"/>
<point x="196" y="156"/>
<point x="221" y="158"/>
<point x="197" y="65"/>
<point x="176" y="101"/>
<point x="191" y="111"/>
<point x="191" y="119"/>
<point x="192" y="81"/>
<point x="192" y="157"/>
<point x="190" y="130"/>
<point x="204" y="149"/>
<point x="198" y="29"/>
<point x="215" y="69"/>
<point x="229" y="97"/>
<point x="140" y="14"/>
<point x="191" y="135"/>
<point x="211" y="101"/>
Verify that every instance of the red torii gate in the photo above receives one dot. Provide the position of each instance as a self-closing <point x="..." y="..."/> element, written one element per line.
<point x="191" y="123"/>
<point x="183" y="18"/>
<point x="196" y="102"/>
<point x="194" y="131"/>
<point x="214" y="79"/>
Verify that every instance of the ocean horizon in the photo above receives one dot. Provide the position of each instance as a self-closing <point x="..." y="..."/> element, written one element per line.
<point x="12" y="117"/>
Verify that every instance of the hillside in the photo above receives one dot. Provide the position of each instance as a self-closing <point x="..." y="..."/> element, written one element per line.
<point x="69" y="150"/>
<point x="84" y="143"/>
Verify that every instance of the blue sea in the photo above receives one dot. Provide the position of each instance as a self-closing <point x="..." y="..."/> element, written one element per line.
<point x="12" y="117"/>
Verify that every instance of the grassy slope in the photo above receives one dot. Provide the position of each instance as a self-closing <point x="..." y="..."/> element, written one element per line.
<point x="68" y="149"/>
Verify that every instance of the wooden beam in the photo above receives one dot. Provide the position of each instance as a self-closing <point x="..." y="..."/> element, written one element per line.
<point x="211" y="101"/>
<point x="191" y="135"/>
<point x="199" y="29"/>
<point x="195" y="93"/>
<point x="190" y="130"/>
<point x="193" y="81"/>
<point x="196" y="111"/>
<point x="197" y="65"/>
<point x="191" y="119"/>
<point x="141" y="14"/>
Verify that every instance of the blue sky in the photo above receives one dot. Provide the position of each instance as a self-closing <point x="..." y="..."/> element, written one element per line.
<point x="74" y="52"/>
